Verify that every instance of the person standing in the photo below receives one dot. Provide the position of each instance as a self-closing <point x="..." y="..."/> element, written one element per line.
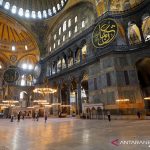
<point x="109" y="116"/>
<point x="12" y="117"/>
<point x="18" y="116"/>
<point x="45" y="117"/>
<point x="138" y="115"/>
<point x="37" y="116"/>
<point x="33" y="116"/>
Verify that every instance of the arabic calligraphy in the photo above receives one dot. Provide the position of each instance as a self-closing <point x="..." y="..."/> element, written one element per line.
<point x="104" y="33"/>
<point x="11" y="75"/>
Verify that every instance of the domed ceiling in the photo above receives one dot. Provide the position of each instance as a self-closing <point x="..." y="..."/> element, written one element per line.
<point x="16" y="41"/>
<point x="33" y="8"/>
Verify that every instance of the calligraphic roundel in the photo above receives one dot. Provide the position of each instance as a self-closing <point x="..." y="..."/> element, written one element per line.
<point x="104" y="33"/>
<point x="11" y="75"/>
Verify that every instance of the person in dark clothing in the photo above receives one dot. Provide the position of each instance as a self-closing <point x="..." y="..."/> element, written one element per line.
<point x="18" y="116"/>
<point x="138" y="115"/>
<point x="12" y="117"/>
<point x="37" y="116"/>
<point x="45" y="117"/>
<point x="33" y="116"/>
<point x="108" y="115"/>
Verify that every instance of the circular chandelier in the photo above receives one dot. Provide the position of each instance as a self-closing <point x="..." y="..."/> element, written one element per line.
<point x="44" y="90"/>
<point x="35" y="9"/>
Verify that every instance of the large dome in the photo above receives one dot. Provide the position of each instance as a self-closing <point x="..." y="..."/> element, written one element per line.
<point x="33" y="8"/>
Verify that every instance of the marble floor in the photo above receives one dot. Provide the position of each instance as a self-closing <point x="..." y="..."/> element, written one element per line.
<point x="74" y="134"/>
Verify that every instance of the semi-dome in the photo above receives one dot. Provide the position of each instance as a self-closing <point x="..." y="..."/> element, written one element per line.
<point x="33" y="8"/>
<point x="16" y="42"/>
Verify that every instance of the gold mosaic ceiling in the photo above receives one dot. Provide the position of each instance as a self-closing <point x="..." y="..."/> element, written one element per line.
<point x="15" y="40"/>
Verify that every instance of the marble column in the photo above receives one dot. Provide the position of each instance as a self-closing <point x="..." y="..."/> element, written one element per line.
<point x="74" y="58"/>
<point x="79" y="96"/>
<point x="67" y="62"/>
<point x="68" y="93"/>
<point x="76" y="102"/>
<point x="59" y="93"/>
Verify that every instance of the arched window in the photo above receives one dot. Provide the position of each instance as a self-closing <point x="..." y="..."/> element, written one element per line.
<point x="64" y="26"/>
<point x="146" y="28"/>
<point x="54" y="45"/>
<point x="84" y="53"/>
<point x="70" y="59"/>
<point x="63" y="63"/>
<point x="134" y="34"/>
<point x="76" y="29"/>
<point x="77" y="60"/>
<point x="58" y="42"/>
<point x="20" y="12"/>
<point x="21" y="95"/>
<point x="39" y="14"/>
<point x="50" y="49"/>
<point x="62" y="3"/>
<point x="59" y="65"/>
<point x="64" y="37"/>
<point x="33" y="14"/>
<point x="13" y="48"/>
<point x="54" y="10"/>
<point x="23" y="80"/>
<point x="60" y="31"/>
<point x="44" y="14"/>
<point x="69" y="23"/>
<point x="58" y="6"/>
<point x="55" y="37"/>
<point x="76" y="19"/>
<point x="69" y="33"/>
<point x="49" y="12"/>
<point x="1" y="2"/>
<point x="53" y="68"/>
<point x="83" y="24"/>
<point x="48" y="69"/>
<point x="14" y="9"/>
<point x="27" y="13"/>
<point x="7" y="5"/>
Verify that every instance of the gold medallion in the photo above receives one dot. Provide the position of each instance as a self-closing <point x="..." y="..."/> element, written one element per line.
<point x="104" y="33"/>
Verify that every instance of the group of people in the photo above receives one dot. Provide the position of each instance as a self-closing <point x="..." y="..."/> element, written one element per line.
<point x="35" y="116"/>
<point x="109" y="115"/>
<point x="19" y="115"/>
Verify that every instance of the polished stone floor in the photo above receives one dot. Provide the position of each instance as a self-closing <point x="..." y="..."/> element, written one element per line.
<point x="73" y="134"/>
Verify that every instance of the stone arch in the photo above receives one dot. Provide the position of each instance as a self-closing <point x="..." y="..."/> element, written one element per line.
<point x="77" y="55"/>
<point x="59" y="64"/>
<point x="70" y="58"/>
